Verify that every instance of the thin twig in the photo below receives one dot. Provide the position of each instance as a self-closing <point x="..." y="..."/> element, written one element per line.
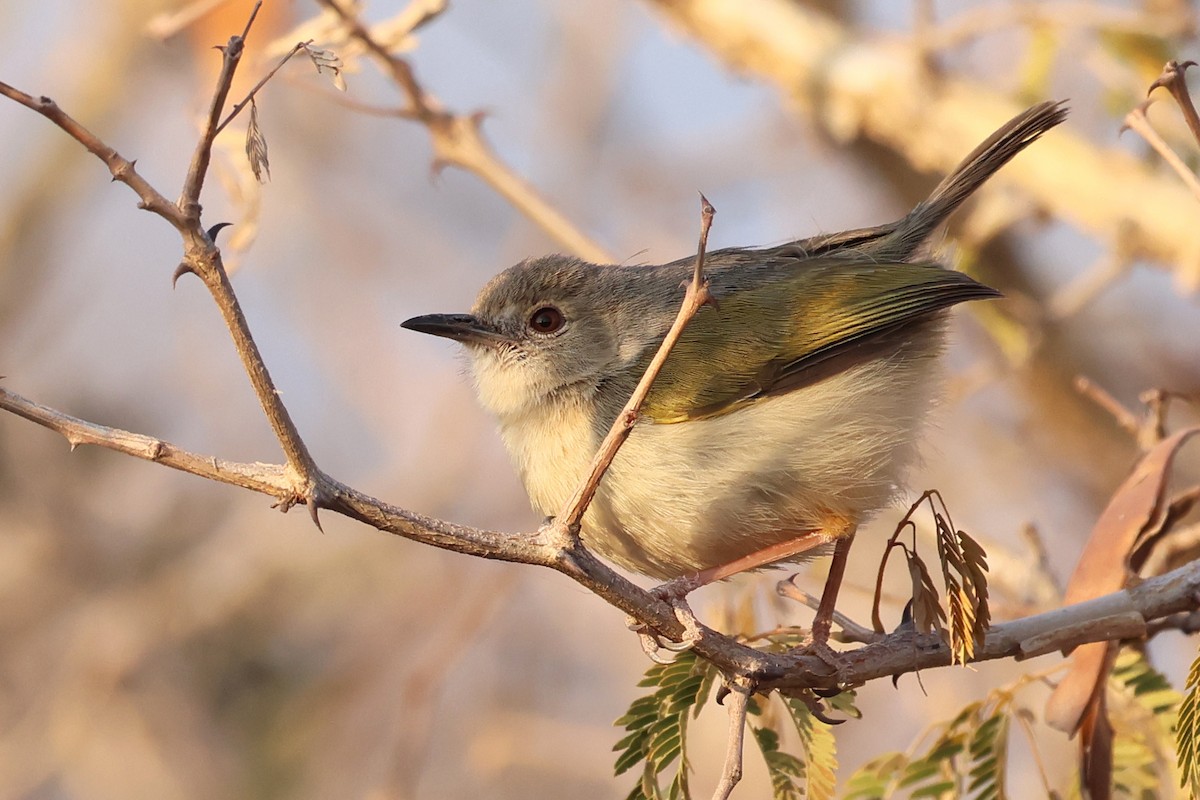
<point x="851" y="630"/>
<point x="237" y="109"/>
<point x="270" y="479"/>
<point x="695" y="297"/>
<point x="1124" y="418"/>
<point x="1137" y="121"/>
<point x="737" y="702"/>
<point x="122" y="169"/>
<point x="458" y="141"/>
<point x="189" y="198"/>
<point x="1174" y="80"/>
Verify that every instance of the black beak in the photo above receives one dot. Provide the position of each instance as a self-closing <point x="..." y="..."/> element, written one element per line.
<point x="464" y="328"/>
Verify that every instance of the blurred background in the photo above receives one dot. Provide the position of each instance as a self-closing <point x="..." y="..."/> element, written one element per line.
<point x="167" y="637"/>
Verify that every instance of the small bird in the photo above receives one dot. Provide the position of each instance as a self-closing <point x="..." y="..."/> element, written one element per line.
<point x="787" y="413"/>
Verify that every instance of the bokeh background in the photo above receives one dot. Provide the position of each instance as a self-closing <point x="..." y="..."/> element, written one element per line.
<point x="166" y="637"/>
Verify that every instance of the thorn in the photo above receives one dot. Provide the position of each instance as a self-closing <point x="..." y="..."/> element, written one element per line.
<point x="215" y="229"/>
<point x="819" y="713"/>
<point x="706" y="207"/>
<point x="722" y="693"/>
<point x="436" y="167"/>
<point x="180" y="271"/>
<point x="312" y="512"/>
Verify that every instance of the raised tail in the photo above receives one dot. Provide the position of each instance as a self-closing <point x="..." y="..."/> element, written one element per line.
<point x="898" y="241"/>
<point x="982" y="163"/>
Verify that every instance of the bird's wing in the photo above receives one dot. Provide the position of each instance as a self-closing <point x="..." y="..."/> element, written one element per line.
<point x="778" y="329"/>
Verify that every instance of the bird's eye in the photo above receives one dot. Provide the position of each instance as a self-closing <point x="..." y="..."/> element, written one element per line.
<point x="546" y="319"/>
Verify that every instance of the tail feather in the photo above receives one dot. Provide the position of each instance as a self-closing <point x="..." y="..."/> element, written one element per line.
<point x="899" y="241"/>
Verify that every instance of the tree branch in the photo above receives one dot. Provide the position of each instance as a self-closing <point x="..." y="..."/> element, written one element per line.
<point x="122" y="169"/>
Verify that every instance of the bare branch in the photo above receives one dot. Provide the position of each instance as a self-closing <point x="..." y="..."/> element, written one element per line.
<point x="737" y="702"/>
<point x="1174" y="80"/>
<point x="189" y="198"/>
<point x="458" y="141"/>
<point x="1137" y="121"/>
<point x="1174" y="593"/>
<point x="121" y="168"/>
<point x="269" y="479"/>
<point x="851" y="630"/>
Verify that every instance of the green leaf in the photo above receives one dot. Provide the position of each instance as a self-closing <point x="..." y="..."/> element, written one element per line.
<point x="873" y="780"/>
<point x="657" y="725"/>
<point x="786" y="771"/>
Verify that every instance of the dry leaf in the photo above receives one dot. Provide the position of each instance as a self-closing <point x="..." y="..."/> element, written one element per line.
<point x="256" y="147"/>
<point x="1136" y="508"/>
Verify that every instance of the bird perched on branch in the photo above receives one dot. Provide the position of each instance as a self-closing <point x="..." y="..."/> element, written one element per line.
<point x="786" y="414"/>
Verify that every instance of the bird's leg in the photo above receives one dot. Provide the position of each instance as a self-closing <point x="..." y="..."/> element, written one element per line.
<point x="823" y="620"/>
<point x="675" y="590"/>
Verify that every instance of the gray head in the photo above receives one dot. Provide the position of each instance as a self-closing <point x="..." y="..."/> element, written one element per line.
<point x="547" y="326"/>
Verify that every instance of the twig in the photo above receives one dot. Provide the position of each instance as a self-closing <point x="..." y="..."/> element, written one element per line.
<point x="1124" y="418"/>
<point x="694" y="298"/>
<point x="1137" y="121"/>
<point x="1071" y="298"/>
<point x="237" y="109"/>
<point x="851" y="630"/>
<point x="122" y="169"/>
<point x="270" y="479"/>
<point x="1174" y="80"/>
<point x="737" y="702"/>
<point x="189" y="198"/>
<point x="458" y="141"/>
<point x="1147" y="431"/>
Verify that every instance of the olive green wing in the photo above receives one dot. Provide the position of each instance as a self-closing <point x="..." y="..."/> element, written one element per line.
<point x="776" y="330"/>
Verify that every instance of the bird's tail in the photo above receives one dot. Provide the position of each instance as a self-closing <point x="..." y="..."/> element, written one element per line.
<point x="899" y="240"/>
<point x="982" y="163"/>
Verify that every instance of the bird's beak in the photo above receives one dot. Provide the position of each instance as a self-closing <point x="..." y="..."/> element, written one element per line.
<point x="464" y="328"/>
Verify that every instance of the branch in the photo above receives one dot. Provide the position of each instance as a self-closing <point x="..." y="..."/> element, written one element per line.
<point x="738" y="703"/>
<point x="122" y="169"/>
<point x="458" y="141"/>
<point x="1120" y="615"/>
<point x="696" y="296"/>
<point x="189" y="198"/>
<point x="237" y="109"/>
<point x="1174" y="80"/>
<point x="1137" y="121"/>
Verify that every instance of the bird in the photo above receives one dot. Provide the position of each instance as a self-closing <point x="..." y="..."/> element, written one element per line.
<point x="788" y="412"/>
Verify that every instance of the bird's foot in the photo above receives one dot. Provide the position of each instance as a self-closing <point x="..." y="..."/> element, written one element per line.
<point x="673" y="592"/>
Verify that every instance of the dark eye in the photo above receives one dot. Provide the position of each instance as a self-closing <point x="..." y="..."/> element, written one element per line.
<point x="546" y="319"/>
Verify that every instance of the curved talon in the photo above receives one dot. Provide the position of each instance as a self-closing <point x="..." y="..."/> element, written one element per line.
<point x="650" y="646"/>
